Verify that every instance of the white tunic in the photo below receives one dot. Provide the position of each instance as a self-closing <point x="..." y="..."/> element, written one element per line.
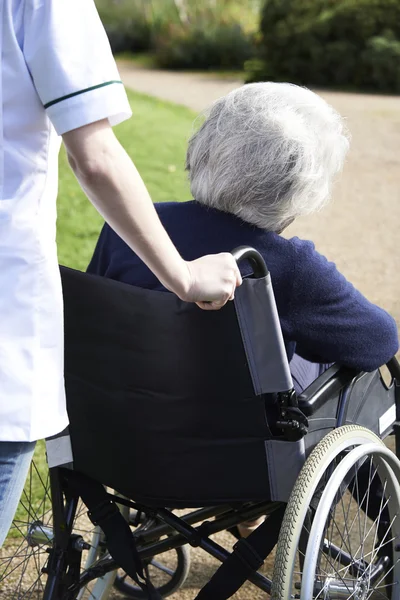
<point x="57" y="74"/>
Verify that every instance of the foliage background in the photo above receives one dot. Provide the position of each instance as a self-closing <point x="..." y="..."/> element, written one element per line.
<point x="347" y="44"/>
<point x="191" y="34"/>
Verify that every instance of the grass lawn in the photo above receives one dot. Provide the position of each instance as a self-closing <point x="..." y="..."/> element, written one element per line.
<point x="155" y="138"/>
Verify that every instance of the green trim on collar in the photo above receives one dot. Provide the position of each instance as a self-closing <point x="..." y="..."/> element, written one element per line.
<point x="89" y="89"/>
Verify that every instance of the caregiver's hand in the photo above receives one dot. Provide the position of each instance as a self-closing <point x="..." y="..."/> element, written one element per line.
<point x="213" y="280"/>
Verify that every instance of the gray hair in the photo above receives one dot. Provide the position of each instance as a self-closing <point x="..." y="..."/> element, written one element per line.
<point x="268" y="153"/>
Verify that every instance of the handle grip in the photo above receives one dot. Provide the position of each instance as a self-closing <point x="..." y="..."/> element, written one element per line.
<point x="254" y="257"/>
<point x="394" y="368"/>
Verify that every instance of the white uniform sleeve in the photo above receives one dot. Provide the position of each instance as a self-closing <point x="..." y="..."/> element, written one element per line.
<point x="68" y="55"/>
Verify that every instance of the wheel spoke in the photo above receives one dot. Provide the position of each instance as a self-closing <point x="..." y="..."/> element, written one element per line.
<point x="24" y="568"/>
<point x="370" y="529"/>
<point x="366" y="509"/>
<point x="162" y="567"/>
<point x="333" y="560"/>
<point x="378" y="586"/>
<point x="384" y="538"/>
<point x="31" y="589"/>
<point x="15" y="567"/>
<point x="21" y="564"/>
<point x="45" y="485"/>
<point x="340" y="577"/>
<point x="344" y="543"/>
<point x="377" y="520"/>
<point x="345" y="513"/>
<point x="359" y="504"/>
<point x="370" y="532"/>
<point x="37" y="563"/>
<point x="7" y="560"/>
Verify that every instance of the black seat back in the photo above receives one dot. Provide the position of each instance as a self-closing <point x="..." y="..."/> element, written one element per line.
<point x="167" y="402"/>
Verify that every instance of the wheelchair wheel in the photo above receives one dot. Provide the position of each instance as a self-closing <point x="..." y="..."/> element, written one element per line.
<point x="24" y="555"/>
<point x="168" y="572"/>
<point x="339" y="537"/>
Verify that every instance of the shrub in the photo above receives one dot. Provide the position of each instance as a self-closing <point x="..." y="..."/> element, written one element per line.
<point x="381" y="62"/>
<point x="195" y="34"/>
<point x="334" y="43"/>
<point x="187" y="46"/>
<point x="127" y="28"/>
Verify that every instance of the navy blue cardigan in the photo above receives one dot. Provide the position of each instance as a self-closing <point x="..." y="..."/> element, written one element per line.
<point x="324" y="318"/>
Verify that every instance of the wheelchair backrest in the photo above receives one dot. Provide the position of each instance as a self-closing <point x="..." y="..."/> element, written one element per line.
<point x="152" y="339"/>
<point x="156" y="386"/>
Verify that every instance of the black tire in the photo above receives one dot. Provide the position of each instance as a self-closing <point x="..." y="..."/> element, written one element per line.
<point x="177" y="575"/>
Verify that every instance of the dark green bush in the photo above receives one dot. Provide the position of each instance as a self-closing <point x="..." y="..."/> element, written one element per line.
<point x="204" y="34"/>
<point x="331" y="43"/>
<point x="126" y="26"/>
<point x="219" y="46"/>
<point x="133" y="37"/>
<point x="381" y="62"/>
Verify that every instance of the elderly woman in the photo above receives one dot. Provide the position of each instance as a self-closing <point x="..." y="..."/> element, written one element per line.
<point x="265" y="154"/>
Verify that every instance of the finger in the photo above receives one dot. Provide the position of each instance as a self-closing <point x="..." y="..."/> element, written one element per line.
<point x="239" y="279"/>
<point x="238" y="276"/>
<point x="214" y="305"/>
<point x="205" y="305"/>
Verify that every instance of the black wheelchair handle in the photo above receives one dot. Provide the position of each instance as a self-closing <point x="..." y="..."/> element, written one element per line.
<point x="255" y="259"/>
<point x="394" y="368"/>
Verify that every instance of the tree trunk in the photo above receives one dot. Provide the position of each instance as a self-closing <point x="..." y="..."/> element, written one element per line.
<point x="182" y="11"/>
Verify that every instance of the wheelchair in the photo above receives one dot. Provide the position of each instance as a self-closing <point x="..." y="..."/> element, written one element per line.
<point x="167" y="405"/>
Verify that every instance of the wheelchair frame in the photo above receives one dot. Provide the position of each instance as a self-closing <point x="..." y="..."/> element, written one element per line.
<point x="65" y="577"/>
<point x="64" y="580"/>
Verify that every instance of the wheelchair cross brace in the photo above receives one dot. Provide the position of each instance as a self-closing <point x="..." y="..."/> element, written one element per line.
<point x="148" y="546"/>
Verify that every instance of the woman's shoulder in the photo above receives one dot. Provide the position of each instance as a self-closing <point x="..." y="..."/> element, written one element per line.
<point x="314" y="270"/>
<point x="305" y="255"/>
<point x="302" y="247"/>
<point x="285" y="253"/>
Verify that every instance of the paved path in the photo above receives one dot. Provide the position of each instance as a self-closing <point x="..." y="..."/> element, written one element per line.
<point x="359" y="230"/>
<point x="190" y="89"/>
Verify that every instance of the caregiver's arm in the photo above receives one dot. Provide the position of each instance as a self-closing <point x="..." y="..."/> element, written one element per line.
<point x="114" y="186"/>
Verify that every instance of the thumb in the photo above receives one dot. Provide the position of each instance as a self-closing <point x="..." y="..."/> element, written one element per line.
<point x="214" y="305"/>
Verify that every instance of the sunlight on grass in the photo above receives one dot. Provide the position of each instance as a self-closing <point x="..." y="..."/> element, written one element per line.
<point x="155" y="138"/>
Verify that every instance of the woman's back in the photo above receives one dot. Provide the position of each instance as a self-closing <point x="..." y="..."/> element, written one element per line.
<point x="323" y="317"/>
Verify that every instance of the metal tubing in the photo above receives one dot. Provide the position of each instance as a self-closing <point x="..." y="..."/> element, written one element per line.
<point x="255" y="259"/>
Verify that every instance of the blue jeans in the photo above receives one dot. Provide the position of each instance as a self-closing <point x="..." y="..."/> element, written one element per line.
<point x="15" y="458"/>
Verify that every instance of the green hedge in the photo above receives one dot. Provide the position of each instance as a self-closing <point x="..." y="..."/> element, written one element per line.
<point x="126" y="25"/>
<point x="218" y="46"/>
<point x="331" y="43"/>
<point x="202" y="34"/>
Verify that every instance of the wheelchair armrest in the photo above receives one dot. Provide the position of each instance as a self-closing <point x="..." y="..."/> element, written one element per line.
<point x="322" y="389"/>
